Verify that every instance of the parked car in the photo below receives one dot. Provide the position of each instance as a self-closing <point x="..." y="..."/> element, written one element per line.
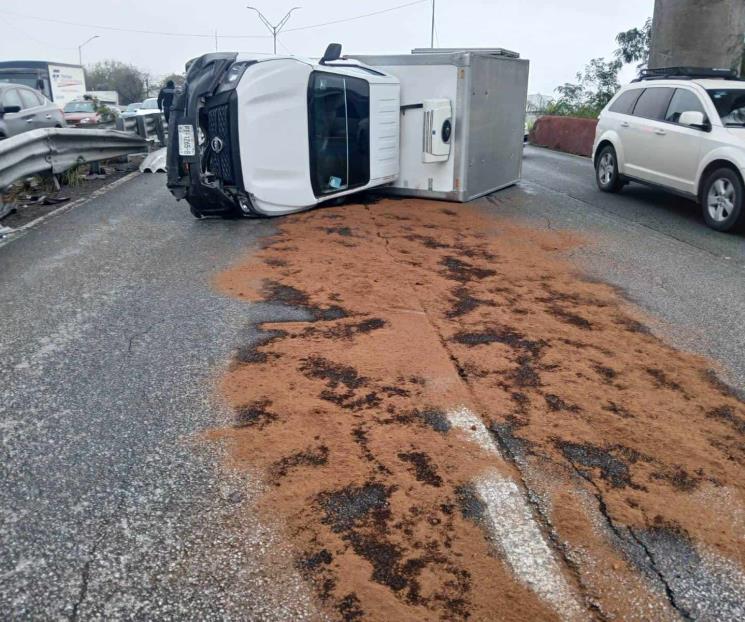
<point x="682" y="129"/>
<point x="149" y="106"/>
<point x="131" y="109"/>
<point x="84" y="113"/>
<point x="23" y="109"/>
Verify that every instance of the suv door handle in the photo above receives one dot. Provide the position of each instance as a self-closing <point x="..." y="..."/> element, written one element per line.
<point x="660" y="132"/>
<point x="49" y="116"/>
<point x="625" y="124"/>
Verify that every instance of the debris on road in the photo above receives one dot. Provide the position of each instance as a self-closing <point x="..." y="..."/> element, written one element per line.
<point x="455" y="372"/>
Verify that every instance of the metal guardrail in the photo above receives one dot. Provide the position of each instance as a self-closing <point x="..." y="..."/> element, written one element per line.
<point x="151" y="126"/>
<point x="55" y="150"/>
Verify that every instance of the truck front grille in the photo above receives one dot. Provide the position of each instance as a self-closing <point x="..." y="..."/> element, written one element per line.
<point x="221" y="150"/>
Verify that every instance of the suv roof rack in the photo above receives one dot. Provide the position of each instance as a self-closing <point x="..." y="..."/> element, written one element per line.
<point x="686" y="73"/>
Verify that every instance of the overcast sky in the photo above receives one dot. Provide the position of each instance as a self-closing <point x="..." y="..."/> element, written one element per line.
<point x="558" y="37"/>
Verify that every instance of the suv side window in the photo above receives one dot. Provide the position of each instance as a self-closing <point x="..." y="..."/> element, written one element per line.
<point x="626" y="101"/>
<point x="683" y="101"/>
<point x="653" y="103"/>
<point x="11" y="98"/>
<point x="29" y="98"/>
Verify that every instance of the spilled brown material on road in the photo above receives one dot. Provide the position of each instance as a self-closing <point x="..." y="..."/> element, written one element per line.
<point x="416" y="308"/>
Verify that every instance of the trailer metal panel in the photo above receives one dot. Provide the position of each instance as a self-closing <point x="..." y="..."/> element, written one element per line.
<point x="488" y="89"/>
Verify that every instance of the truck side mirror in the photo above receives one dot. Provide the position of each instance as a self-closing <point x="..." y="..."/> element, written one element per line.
<point x="332" y="53"/>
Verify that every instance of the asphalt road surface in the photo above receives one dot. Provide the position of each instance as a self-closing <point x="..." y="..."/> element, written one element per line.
<point x="653" y="245"/>
<point x="111" y="504"/>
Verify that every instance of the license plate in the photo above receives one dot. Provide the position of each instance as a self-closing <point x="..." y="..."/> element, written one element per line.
<point x="186" y="145"/>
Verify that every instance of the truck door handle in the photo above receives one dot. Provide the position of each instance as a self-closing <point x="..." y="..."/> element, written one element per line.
<point x="625" y="124"/>
<point x="660" y="132"/>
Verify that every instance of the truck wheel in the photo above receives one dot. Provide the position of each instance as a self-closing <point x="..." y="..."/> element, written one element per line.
<point x="606" y="170"/>
<point x="722" y="200"/>
<point x="194" y="209"/>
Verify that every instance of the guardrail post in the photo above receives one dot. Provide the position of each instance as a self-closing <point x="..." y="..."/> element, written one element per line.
<point x="141" y="126"/>
<point x="160" y="130"/>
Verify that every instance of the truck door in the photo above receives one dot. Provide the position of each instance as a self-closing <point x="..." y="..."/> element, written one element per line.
<point x="339" y="127"/>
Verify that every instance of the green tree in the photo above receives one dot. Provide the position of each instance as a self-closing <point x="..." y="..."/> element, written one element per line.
<point x="598" y="83"/>
<point x="634" y="44"/>
<point x="112" y="75"/>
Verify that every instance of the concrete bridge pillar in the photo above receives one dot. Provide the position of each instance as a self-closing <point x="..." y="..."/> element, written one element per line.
<point x="698" y="33"/>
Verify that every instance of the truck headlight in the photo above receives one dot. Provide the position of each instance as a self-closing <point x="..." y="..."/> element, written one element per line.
<point x="233" y="75"/>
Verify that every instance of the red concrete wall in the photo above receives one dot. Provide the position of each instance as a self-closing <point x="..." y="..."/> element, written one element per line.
<point x="569" y="134"/>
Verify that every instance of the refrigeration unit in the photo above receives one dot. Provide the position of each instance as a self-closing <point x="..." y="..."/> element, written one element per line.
<point x="274" y="135"/>
<point x="462" y="120"/>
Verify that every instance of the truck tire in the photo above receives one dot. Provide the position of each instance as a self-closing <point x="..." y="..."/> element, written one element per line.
<point x="606" y="170"/>
<point x="722" y="200"/>
<point x="194" y="209"/>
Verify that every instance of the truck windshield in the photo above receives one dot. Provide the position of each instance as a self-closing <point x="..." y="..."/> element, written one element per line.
<point x="339" y="126"/>
<point x="27" y="79"/>
<point x="730" y="104"/>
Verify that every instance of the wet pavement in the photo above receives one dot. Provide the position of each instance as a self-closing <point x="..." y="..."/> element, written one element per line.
<point x="115" y="342"/>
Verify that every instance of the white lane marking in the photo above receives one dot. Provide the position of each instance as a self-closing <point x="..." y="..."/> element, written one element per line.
<point x="515" y="532"/>
<point x="522" y="544"/>
<point x="471" y="425"/>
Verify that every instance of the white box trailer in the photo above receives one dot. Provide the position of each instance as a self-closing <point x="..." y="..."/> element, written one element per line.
<point x="474" y="98"/>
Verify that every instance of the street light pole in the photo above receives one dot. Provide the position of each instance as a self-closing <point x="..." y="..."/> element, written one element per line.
<point x="274" y="28"/>
<point x="432" y="38"/>
<point x="80" y="49"/>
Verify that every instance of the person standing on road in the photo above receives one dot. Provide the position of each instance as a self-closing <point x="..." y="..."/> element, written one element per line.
<point x="165" y="98"/>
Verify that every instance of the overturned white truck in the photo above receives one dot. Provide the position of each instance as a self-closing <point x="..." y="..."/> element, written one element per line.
<point x="275" y="135"/>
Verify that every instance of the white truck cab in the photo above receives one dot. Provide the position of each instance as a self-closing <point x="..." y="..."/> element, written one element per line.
<point x="279" y="134"/>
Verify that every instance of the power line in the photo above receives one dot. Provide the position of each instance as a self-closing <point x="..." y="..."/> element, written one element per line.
<point x="208" y="35"/>
<point x="134" y="30"/>
<point x="351" y="19"/>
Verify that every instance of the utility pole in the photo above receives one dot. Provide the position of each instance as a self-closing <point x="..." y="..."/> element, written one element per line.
<point x="216" y="41"/>
<point x="80" y="49"/>
<point x="432" y="37"/>
<point x="275" y="29"/>
<point x="692" y="33"/>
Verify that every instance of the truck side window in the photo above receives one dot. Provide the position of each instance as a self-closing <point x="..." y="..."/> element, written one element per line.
<point x="339" y="127"/>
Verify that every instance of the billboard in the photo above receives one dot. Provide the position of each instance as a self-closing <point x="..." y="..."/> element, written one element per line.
<point x="67" y="82"/>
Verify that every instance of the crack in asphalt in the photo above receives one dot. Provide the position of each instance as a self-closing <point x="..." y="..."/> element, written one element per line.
<point x="85" y="572"/>
<point x="603" y="508"/>
<point x="548" y="527"/>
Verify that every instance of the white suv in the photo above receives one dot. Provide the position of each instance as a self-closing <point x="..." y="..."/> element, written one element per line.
<point x="682" y="129"/>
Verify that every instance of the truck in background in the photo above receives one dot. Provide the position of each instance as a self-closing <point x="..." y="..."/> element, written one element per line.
<point x="110" y="98"/>
<point x="273" y="135"/>
<point x="59" y="82"/>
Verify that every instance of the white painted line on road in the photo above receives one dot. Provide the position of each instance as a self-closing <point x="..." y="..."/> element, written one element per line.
<point x="510" y="523"/>
<point x="521" y="543"/>
<point x="21" y="231"/>
<point x="471" y="425"/>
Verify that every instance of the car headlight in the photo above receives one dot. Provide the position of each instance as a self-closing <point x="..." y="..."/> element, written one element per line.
<point x="86" y="120"/>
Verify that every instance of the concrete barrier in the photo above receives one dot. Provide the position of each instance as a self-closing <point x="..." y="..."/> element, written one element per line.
<point x="568" y="134"/>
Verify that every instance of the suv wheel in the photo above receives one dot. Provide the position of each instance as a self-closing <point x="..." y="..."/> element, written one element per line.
<point x="722" y="200"/>
<point x="606" y="170"/>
